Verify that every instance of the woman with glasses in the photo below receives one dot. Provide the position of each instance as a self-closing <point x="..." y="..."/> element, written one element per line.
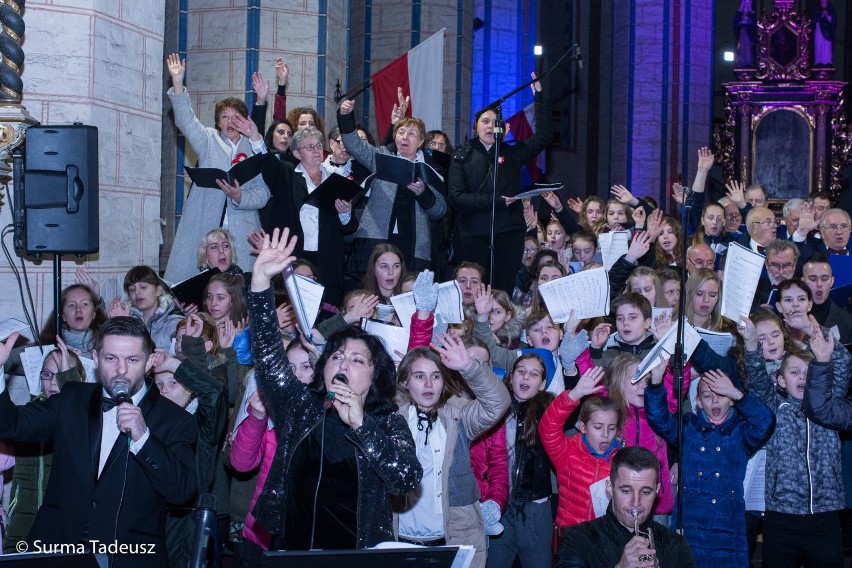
<point x="398" y="214"/>
<point x="232" y="207"/>
<point x="320" y="231"/>
<point x="333" y="474"/>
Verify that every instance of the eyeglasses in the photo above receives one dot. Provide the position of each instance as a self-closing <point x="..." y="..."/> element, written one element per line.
<point x="338" y="140"/>
<point x="311" y="147"/>
<point x="437" y="145"/>
<point x="47" y="376"/>
<point x="700" y="263"/>
<point x="837" y="228"/>
<point x="733" y="216"/>
<point x="778" y="266"/>
<point x="530" y="250"/>
<point x="765" y="222"/>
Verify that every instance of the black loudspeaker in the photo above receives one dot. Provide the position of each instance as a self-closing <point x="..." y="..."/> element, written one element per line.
<point x="56" y="191"/>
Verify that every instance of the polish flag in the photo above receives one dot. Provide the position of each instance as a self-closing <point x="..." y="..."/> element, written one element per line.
<point x="522" y="127"/>
<point x="420" y="73"/>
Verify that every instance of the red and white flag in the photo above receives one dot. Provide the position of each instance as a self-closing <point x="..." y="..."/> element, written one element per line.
<point x="522" y="127"/>
<point x="420" y="73"/>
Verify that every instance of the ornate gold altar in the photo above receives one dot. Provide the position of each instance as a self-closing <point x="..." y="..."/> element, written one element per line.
<point x="785" y="123"/>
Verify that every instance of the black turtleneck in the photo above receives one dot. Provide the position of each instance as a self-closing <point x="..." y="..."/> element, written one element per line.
<point x="820" y="311"/>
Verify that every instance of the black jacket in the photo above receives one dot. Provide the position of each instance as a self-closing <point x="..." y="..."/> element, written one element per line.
<point x="471" y="185"/>
<point x="80" y="506"/>
<point x="386" y="458"/>
<point x="600" y="544"/>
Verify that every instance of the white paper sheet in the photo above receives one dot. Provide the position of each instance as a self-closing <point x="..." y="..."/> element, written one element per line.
<point x="742" y="269"/>
<point x="305" y="297"/>
<point x="754" y="484"/>
<point x="587" y="292"/>
<point x="242" y="409"/>
<point x="719" y="341"/>
<point x="10" y="326"/>
<point x="666" y="347"/>
<point x="600" y="501"/>
<point x="449" y="304"/>
<point x="612" y="246"/>
<point x="393" y="337"/>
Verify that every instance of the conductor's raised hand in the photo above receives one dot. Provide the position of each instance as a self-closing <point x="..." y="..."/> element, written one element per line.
<point x="276" y="254"/>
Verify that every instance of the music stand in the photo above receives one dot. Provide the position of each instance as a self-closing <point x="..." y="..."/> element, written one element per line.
<point x="33" y="560"/>
<point x="414" y="557"/>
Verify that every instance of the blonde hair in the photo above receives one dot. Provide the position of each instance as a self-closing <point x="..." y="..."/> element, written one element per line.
<point x="693" y="283"/>
<point x="210" y="238"/>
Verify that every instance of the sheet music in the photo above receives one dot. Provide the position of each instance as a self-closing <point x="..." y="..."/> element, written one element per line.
<point x="587" y="292"/>
<point x="385" y="312"/>
<point x="32" y="359"/>
<point x="449" y="304"/>
<point x="719" y="341"/>
<point x="613" y="246"/>
<point x="754" y="484"/>
<point x="539" y="189"/>
<point x="393" y="337"/>
<point x="666" y="347"/>
<point x="600" y="501"/>
<point x="305" y="307"/>
<point x="10" y="326"/>
<point x="738" y="295"/>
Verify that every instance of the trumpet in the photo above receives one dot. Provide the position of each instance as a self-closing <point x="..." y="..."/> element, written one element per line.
<point x="638" y="532"/>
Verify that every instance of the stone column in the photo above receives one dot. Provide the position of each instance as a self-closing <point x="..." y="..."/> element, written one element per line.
<point x="99" y="62"/>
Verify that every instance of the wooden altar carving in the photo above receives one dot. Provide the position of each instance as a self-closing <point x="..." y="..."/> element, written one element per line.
<point x="785" y="124"/>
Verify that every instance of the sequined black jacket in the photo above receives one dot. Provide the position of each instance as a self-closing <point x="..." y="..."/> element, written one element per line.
<point x="385" y="454"/>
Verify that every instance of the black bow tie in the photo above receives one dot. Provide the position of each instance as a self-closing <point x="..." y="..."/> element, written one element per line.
<point x="108" y="403"/>
<point x="761" y="249"/>
<point x="843" y="252"/>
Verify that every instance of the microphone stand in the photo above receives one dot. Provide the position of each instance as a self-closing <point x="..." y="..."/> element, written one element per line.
<point x="678" y="360"/>
<point x="496" y="106"/>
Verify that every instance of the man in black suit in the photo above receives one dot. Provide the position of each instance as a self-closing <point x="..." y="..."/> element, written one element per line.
<point x="114" y="466"/>
<point x="818" y="277"/>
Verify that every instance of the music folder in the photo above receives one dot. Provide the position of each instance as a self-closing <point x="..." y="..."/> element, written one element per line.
<point x="403" y="171"/>
<point x="334" y="187"/>
<point x="241" y="172"/>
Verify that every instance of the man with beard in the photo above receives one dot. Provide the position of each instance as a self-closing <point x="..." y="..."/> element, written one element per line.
<point x="116" y="463"/>
<point x="781" y="258"/>
<point x="612" y="540"/>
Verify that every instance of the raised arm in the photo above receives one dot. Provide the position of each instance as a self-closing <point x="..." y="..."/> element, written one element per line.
<point x="362" y="151"/>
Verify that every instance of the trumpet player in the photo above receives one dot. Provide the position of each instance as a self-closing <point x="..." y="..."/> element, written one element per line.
<point x="627" y="536"/>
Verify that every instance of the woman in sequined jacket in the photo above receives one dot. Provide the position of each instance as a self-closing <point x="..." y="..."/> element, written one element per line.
<point x="366" y="448"/>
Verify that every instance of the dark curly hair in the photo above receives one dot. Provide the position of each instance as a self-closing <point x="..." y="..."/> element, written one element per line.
<point x="380" y="397"/>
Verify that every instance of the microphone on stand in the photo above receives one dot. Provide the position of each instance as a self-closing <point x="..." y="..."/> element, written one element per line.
<point x="329" y="397"/>
<point x="205" y="519"/>
<point x="579" y="56"/>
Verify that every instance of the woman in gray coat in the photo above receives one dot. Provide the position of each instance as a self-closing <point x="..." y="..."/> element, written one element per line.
<point x="234" y="207"/>
<point x="394" y="213"/>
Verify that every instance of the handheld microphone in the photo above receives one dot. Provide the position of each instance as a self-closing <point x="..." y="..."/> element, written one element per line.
<point x="329" y="397"/>
<point x="121" y="394"/>
<point x="205" y="519"/>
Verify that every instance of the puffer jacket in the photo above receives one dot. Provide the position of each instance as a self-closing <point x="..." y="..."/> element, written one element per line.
<point x="803" y="471"/>
<point x="576" y="467"/>
<point x="385" y="455"/>
<point x="254" y="445"/>
<point x="712" y="473"/>
<point x="489" y="458"/>
<point x="163" y="323"/>
<point x="464" y="420"/>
